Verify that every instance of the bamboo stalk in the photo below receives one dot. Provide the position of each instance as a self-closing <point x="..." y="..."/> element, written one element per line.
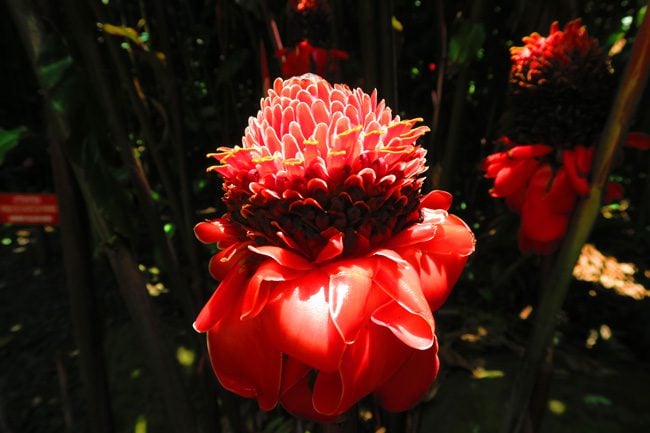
<point x="172" y="268"/>
<point x="368" y="44"/>
<point x="454" y="146"/>
<point x="125" y="267"/>
<point x="387" y="58"/>
<point x="74" y="242"/>
<point x="556" y="285"/>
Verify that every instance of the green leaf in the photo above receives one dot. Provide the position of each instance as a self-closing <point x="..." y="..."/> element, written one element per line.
<point x="596" y="400"/>
<point x="52" y="73"/>
<point x="9" y="139"/>
<point x="465" y="44"/>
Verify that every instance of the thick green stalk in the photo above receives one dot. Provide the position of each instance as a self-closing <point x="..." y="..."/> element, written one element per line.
<point x="555" y="287"/>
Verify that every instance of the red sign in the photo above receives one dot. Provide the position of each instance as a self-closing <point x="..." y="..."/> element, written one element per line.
<point x="28" y="209"/>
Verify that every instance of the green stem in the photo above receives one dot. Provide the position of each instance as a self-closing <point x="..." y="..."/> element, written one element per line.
<point x="556" y="285"/>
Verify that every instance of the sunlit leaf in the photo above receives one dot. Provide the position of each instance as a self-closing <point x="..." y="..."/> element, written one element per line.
<point x="481" y="373"/>
<point x="640" y="15"/>
<point x="557" y="407"/>
<point x="140" y="424"/>
<point x="9" y="138"/>
<point x="185" y="356"/>
<point x="595" y="400"/>
<point x="397" y="25"/>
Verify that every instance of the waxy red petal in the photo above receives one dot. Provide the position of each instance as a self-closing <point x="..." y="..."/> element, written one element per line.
<point x="349" y="288"/>
<point x="376" y="355"/>
<point x="257" y="292"/>
<point x="214" y="231"/>
<point x="296" y="393"/>
<point x="333" y="248"/>
<point x="410" y="383"/>
<point x="437" y="199"/>
<point x="637" y="140"/>
<point x="222" y="300"/>
<point x="254" y="372"/>
<point x="407" y="315"/>
<point x="283" y="256"/>
<point x="538" y="221"/>
<point x="298" y="321"/>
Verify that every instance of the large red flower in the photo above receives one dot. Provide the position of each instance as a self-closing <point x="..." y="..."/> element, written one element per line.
<point x="331" y="262"/>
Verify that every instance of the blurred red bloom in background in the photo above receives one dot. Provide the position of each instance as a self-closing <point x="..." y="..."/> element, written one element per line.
<point x="560" y="90"/>
<point x="544" y="195"/>
<point x="331" y="262"/>
<point x="305" y="58"/>
<point x="560" y="56"/>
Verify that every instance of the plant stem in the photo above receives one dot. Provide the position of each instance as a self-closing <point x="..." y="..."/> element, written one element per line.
<point x="74" y="241"/>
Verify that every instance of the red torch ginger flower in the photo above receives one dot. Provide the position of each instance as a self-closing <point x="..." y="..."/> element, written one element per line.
<point x="331" y="262"/>
<point x="561" y="86"/>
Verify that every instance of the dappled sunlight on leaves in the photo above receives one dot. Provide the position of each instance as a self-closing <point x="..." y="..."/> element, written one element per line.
<point x="593" y="266"/>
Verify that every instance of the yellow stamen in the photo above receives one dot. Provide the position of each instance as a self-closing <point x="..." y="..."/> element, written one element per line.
<point x="351" y="130"/>
<point x="262" y="159"/>
<point x="293" y="161"/>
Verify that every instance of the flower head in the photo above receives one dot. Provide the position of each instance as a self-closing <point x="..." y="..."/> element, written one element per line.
<point x="560" y="87"/>
<point x="331" y="261"/>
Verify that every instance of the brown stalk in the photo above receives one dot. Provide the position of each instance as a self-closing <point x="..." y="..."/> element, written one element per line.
<point x="74" y="241"/>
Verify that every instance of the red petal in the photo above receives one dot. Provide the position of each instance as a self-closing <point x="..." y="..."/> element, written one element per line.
<point x="221" y="302"/>
<point x="538" y="221"/>
<point x="224" y="261"/>
<point x="367" y="364"/>
<point x="572" y="169"/>
<point x="349" y="287"/>
<point x="452" y="237"/>
<point x="514" y="177"/>
<point x="529" y="151"/>
<point x="332" y="249"/>
<point x="560" y="196"/>
<point x="217" y="230"/>
<point x="298" y="321"/>
<point x="283" y="256"/>
<point x="257" y="293"/>
<point x="409" y="384"/>
<point x="437" y="199"/>
<point x="296" y="394"/>
<point x="417" y="233"/>
<point x="408" y="315"/>
<point x="438" y="274"/>
<point x="637" y="140"/>
<point x="244" y="361"/>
